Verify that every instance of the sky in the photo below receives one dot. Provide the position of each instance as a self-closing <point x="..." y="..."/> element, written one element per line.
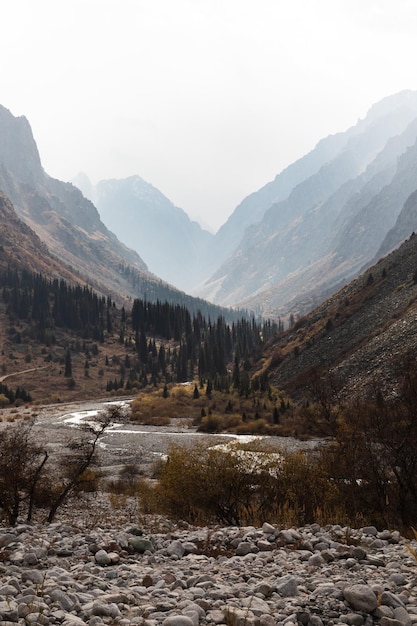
<point x="207" y="100"/>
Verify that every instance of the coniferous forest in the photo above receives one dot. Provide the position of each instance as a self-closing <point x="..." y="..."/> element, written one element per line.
<point x="165" y="342"/>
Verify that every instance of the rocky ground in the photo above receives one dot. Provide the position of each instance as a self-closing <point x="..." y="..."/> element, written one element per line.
<point x="103" y="563"/>
<point x="79" y="573"/>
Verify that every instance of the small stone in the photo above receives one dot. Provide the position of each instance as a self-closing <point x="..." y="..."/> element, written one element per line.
<point x="102" y="558"/>
<point x="353" y="619"/>
<point x="402" y="616"/>
<point x="8" y="610"/>
<point x="34" y="575"/>
<point x="105" y="610"/>
<point x="265" y="589"/>
<point x="244" y="548"/>
<point x="30" y="559"/>
<point x="361" y="598"/>
<point x="114" y="557"/>
<point x="316" y="560"/>
<point x="8" y="590"/>
<point x="268" y="529"/>
<point x="287" y="586"/>
<point x="190" y="547"/>
<point x="176" y="549"/>
<point x="390" y="599"/>
<point x="358" y="553"/>
<point x="177" y="620"/>
<point x="239" y="617"/>
<point x="63" y="599"/>
<point x="141" y="545"/>
<point x="6" y="539"/>
<point x="398" y="579"/>
<point x="257" y="605"/>
<point x="286" y="536"/>
<point x="216" y="616"/>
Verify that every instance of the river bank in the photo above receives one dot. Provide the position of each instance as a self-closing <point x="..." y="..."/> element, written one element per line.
<point x="127" y="442"/>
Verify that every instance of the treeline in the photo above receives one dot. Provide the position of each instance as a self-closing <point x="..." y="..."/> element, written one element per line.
<point x="151" y="291"/>
<point x="48" y="304"/>
<point x="164" y="341"/>
<point x="12" y="396"/>
<point x="213" y="350"/>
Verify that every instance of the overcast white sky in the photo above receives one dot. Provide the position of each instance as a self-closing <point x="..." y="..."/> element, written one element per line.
<point x="206" y="99"/>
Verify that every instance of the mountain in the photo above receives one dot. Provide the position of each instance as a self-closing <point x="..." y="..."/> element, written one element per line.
<point x="405" y="224"/>
<point x="252" y="208"/>
<point x="69" y="225"/>
<point x="348" y="241"/>
<point x="173" y="246"/>
<point x="357" y="333"/>
<point x="331" y="223"/>
<point x="22" y="249"/>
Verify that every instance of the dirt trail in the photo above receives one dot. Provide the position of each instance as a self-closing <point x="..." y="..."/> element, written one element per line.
<point x="31" y="369"/>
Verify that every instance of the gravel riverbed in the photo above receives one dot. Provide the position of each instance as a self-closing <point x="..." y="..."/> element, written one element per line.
<point x="158" y="574"/>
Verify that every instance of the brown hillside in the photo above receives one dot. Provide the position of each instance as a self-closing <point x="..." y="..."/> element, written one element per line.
<point x="21" y="247"/>
<point x="357" y="332"/>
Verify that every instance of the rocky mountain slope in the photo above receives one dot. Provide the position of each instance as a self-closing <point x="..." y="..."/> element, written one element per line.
<point x="331" y="223"/>
<point x="358" y="332"/>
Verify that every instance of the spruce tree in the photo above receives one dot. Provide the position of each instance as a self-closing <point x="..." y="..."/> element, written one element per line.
<point x="68" y="365"/>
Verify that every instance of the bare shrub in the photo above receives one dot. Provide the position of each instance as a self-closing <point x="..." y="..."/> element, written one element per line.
<point x="22" y="462"/>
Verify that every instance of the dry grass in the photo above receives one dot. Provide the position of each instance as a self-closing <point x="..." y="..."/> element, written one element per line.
<point x="222" y="412"/>
<point x="43" y="377"/>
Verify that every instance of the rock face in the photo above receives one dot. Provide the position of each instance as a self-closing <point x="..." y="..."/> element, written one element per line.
<point x="19" y="153"/>
<point x="60" y="574"/>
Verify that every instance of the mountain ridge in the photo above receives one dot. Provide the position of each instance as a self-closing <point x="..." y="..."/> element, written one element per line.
<point x="288" y="240"/>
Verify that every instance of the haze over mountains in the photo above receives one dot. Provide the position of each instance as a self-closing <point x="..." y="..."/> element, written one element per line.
<point x="332" y="222"/>
<point x="336" y="211"/>
<point x="173" y="246"/>
<point x="285" y="247"/>
<point x="298" y="238"/>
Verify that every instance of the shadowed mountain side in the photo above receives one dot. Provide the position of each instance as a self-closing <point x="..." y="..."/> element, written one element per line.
<point x="406" y="223"/>
<point x="357" y="332"/>
<point x="348" y="243"/>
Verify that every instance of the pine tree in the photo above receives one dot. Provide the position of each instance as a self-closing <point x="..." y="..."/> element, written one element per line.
<point x="68" y="365"/>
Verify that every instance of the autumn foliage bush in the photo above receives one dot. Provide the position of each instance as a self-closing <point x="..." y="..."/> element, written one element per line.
<point x="242" y="485"/>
